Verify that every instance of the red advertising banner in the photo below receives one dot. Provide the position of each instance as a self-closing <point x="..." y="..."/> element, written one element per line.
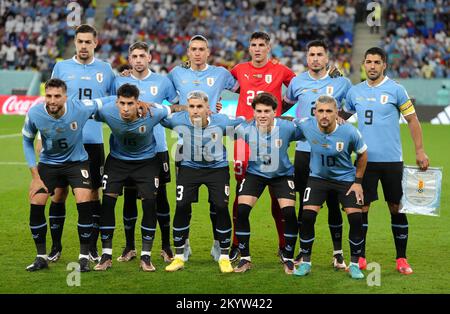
<point x="18" y="104"/>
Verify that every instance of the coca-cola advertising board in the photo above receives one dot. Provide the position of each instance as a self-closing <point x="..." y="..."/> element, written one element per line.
<point x="18" y="104"/>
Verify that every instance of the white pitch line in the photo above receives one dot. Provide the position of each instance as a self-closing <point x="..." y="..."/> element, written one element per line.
<point x="10" y="135"/>
<point x="12" y="163"/>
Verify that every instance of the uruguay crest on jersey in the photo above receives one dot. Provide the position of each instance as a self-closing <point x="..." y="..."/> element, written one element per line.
<point x="154" y="90"/>
<point x="268" y="78"/>
<point x="74" y="126"/>
<point x="99" y="77"/>
<point x="278" y="143"/>
<point x="384" y="99"/>
<point x="214" y="136"/>
<point x="210" y="81"/>
<point x="330" y="90"/>
<point x="142" y="129"/>
<point x="339" y="146"/>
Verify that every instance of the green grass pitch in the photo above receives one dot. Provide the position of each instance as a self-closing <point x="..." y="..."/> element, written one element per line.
<point x="428" y="247"/>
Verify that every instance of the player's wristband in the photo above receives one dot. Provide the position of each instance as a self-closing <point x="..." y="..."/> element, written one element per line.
<point x="358" y="180"/>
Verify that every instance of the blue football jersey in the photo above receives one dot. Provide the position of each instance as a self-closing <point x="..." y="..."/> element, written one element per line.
<point x="131" y="140"/>
<point x="203" y="147"/>
<point x="212" y="80"/>
<point x="86" y="81"/>
<point x="61" y="138"/>
<point x="331" y="154"/>
<point x="378" y="110"/>
<point x="153" y="88"/>
<point x="268" y="151"/>
<point x="304" y="90"/>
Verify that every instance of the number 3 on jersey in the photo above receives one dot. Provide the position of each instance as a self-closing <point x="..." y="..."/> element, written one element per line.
<point x="180" y="190"/>
<point x="251" y="94"/>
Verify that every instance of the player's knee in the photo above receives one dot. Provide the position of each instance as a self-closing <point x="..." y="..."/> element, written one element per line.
<point x="393" y="208"/>
<point x="60" y="195"/>
<point x="309" y="216"/>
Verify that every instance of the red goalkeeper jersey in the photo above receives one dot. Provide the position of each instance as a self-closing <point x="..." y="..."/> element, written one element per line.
<point x="252" y="81"/>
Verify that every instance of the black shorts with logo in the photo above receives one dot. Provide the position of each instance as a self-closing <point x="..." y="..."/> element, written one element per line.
<point x="75" y="174"/>
<point x="254" y="185"/>
<point x="319" y="190"/>
<point x="390" y="174"/>
<point x="217" y="180"/>
<point x="96" y="155"/>
<point x="141" y="173"/>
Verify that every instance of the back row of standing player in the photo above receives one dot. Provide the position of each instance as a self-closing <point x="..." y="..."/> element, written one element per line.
<point x="378" y="97"/>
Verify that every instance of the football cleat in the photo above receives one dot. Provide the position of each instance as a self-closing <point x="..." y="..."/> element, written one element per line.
<point x="38" y="264"/>
<point x="146" y="263"/>
<point x="215" y="251"/>
<point x="234" y="253"/>
<point x="362" y="262"/>
<point x="187" y="250"/>
<point x="127" y="255"/>
<point x="288" y="266"/>
<point x="105" y="263"/>
<point x="403" y="266"/>
<point x="225" y="265"/>
<point x="303" y="270"/>
<point x="93" y="255"/>
<point x="355" y="272"/>
<point x="55" y="254"/>
<point x="338" y="262"/>
<point x="243" y="266"/>
<point x="176" y="264"/>
<point x="298" y="259"/>
<point x="167" y="254"/>
<point x="84" y="265"/>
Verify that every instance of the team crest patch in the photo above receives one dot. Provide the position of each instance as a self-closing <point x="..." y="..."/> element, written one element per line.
<point x="291" y="184"/>
<point x="99" y="77"/>
<point x="268" y="78"/>
<point x="384" y="99"/>
<point x="156" y="182"/>
<point x="339" y="146"/>
<point x="330" y="90"/>
<point x="142" y="129"/>
<point x="227" y="190"/>
<point x="85" y="173"/>
<point x="74" y="126"/>
<point x="278" y="143"/>
<point x="154" y="90"/>
<point x="214" y="136"/>
<point x="210" y="81"/>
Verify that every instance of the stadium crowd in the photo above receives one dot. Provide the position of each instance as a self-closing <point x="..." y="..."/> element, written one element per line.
<point x="34" y="34"/>
<point x="167" y="26"/>
<point x="417" y="39"/>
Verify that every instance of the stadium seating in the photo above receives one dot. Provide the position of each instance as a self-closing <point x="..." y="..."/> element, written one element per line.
<point x="417" y="39"/>
<point x="33" y="34"/>
<point x="168" y="25"/>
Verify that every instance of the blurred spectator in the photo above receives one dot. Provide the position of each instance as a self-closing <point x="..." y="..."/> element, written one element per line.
<point x="168" y="25"/>
<point x="417" y="40"/>
<point x="34" y="33"/>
